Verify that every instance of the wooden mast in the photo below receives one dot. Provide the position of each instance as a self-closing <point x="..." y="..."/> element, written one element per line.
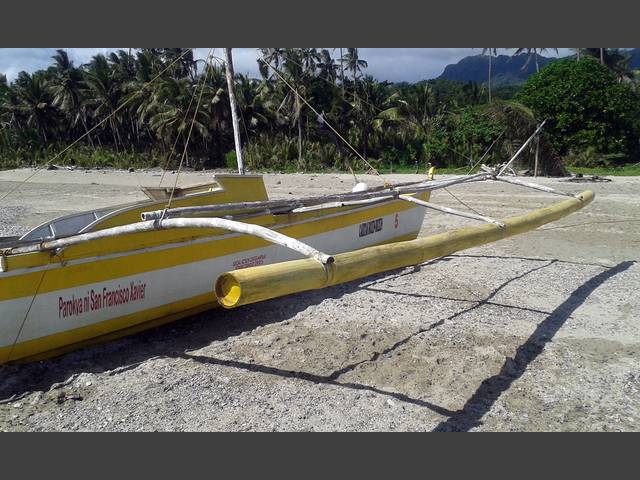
<point x="234" y="111"/>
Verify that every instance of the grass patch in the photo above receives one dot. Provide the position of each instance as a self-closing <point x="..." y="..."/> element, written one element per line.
<point x="626" y="171"/>
<point x="422" y="171"/>
<point x="83" y="157"/>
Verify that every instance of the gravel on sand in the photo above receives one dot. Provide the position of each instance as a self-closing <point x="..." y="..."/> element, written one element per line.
<point x="537" y="332"/>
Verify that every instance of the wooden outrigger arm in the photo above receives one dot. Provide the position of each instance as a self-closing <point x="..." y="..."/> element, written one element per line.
<point x="222" y="223"/>
<point x="450" y="211"/>
<point x="284" y="206"/>
<point x="255" y="284"/>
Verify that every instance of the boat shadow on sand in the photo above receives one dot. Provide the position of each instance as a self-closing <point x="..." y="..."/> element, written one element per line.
<point x="176" y="340"/>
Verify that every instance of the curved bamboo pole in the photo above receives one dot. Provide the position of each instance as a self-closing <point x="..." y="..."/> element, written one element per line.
<point x="176" y="223"/>
<point x="256" y="284"/>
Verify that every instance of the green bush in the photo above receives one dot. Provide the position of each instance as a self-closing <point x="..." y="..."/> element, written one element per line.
<point x="80" y="156"/>
<point x="585" y="107"/>
<point x="231" y="160"/>
<point x="591" y="158"/>
<point x="281" y="154"/>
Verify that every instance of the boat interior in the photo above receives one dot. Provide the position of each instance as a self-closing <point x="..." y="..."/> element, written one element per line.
<point x="224" y="189"/>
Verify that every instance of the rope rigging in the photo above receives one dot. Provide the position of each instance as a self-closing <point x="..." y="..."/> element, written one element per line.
<point x="295" y="91"/>
<point x="193" y="121"/>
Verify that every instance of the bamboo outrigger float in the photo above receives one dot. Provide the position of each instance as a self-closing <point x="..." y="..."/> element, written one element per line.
<point x="102" y="274"/>
<point x="256" y="284"/>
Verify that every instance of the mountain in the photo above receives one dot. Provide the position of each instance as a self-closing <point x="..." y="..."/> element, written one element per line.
<point x="505" y="69"/>
<point x="634" y="59"/>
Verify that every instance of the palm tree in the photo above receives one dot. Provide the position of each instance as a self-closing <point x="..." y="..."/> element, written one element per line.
<point x="327" y="67"/>
<point x="255" y="113"/>
<point x="104" y="93"/>
<point x="173" y="111"/>
<point x="34" y="103"/>
<point x="356" y="65"/>
<point x="310" y="57"/>
<point x="185" y="67"/>
<point x="416" y="106"/>
<point x="342" y="71"/>
<point x="271" y="57"/>
<point x="66" y="89"/>
<point x="532" y="53"/>
<point x="294" y="69"/>
<point x="491" y="52"/>
<point x="297" y="66"/>
<point x="598" y="53"/>
<point x="215" y="101"/>
<point x="374" y="95"/>
<point x="122" y="64"/>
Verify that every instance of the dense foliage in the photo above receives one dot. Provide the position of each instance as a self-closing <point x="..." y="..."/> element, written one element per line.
<point x="136" y="106"/>
<point x="587" y="107"/>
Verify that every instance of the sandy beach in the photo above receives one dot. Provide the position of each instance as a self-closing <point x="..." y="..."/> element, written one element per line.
<point x="537" y="332"/>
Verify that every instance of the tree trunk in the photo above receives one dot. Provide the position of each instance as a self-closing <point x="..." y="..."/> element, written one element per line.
<point x="355" y="87"/>
<point x="602" y="56"/>
<point x="490" y="77"/>
<point x="578" y="54"/>
<point x="299" y="113"/>
<point x="536" y="58"/>
<point x="119" y="137"/>
<point x="113" y="134"/>
<point x="84" y="124"/>
<point x="342" y="72"/>
<point x="365" y="140"/>
<point x="535" y="165"/>
<point x="234" y="111"/>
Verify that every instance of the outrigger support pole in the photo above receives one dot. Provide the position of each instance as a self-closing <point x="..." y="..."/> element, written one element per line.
<point x="284" y="206"/>
<point x="177" y="223"/>
<point x="234" y="109"/>
<point x="521" y="149"/>
<point x="535" y="186"/>
<point x="450" y="211"/>
<point x="521" y="183"/>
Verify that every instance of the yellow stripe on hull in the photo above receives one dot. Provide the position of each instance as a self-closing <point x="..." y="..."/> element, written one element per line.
<point x="64" y="275"/>
<point x="55" y="302"/>
<point x="73" y="339"/>
<point x="69" y="340"/>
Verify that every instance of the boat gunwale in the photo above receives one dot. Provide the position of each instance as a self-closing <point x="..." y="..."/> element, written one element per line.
<point x="345" y="210"/>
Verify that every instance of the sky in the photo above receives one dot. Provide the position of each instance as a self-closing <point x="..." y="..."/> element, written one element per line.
<point x="393" y="64"/>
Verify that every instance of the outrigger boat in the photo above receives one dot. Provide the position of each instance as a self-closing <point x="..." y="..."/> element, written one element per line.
<point x="106" y="273"/>
<point x="99" y="273"/>
<point x="102" y="274"/>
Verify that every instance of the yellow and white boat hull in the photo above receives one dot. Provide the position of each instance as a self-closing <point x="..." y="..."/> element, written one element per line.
<point x="51" y="302"/>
